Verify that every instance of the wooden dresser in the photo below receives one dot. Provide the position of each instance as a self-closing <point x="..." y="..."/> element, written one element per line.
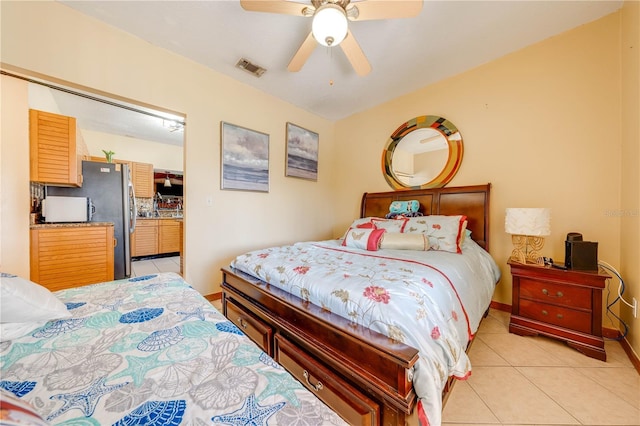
<point x="565" y="305"/>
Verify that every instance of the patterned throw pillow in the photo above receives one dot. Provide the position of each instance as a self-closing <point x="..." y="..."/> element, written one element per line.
<point x="391" y="225"/>
<point x="363" y="238"/>
<point x="444" y="232"/>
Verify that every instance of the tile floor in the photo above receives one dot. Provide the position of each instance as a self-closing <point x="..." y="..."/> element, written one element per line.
<point x="525" y="380"/>
<point x="540" y="381"/>
<point x="153" y="266"/>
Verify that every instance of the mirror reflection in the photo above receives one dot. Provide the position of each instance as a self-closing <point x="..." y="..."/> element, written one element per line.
<point x="422" y="153"/>
<point x="420" y="156"/>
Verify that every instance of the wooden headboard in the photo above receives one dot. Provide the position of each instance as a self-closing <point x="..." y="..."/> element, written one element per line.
<point x="472" y="201"/>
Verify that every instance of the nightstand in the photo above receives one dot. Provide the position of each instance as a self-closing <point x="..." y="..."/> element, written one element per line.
<point x="562" y="304"/>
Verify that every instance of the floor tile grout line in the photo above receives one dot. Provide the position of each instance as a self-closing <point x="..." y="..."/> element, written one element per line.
<point x="517" y="368"/>
<point x="500" y="422"/>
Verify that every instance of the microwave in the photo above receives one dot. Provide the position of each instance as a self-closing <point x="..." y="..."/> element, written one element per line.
<point x="57" y="209"/>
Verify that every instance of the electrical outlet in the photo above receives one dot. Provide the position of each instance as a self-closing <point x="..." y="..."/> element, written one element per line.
<point x="635" y="308"/>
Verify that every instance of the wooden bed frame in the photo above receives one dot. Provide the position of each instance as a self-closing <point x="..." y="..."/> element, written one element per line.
<point x="363" y="375"/>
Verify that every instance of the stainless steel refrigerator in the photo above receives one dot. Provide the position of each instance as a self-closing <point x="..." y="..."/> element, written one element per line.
<point x="109" y="187"/>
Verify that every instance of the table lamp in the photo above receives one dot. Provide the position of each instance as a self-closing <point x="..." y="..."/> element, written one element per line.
<point x="527" y="227"/>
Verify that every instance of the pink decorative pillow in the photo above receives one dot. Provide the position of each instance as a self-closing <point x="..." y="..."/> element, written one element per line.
<point x="391" y="225"/>
<point x="362" y="238"/>
<point x="444" y="232"/>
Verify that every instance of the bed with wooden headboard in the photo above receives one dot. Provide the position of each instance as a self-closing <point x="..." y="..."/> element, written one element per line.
<point x="364" y="375"/>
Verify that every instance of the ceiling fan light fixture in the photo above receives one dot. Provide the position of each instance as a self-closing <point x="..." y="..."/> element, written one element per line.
<point x="330" y="25"/>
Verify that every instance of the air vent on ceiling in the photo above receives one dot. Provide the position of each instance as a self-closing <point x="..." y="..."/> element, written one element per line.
<point x="250" y="68"/>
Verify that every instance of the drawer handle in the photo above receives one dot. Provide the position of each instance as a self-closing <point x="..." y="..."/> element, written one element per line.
<point x="560" y="316"/>
<point x="317" y="387"/>
<point x="546" y="293"/>
<point x="242" y="323"/>
<point x="545" y="312"/>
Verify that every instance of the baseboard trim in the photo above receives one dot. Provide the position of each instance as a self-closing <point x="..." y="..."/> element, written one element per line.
<point x="612" y="333"/>
<point x="500" y="306"/>
<point x="214" y="296"/>
<point x="609" y="333"/>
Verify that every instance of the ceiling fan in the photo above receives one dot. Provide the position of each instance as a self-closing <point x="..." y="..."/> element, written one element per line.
<point x="330" y="25"/>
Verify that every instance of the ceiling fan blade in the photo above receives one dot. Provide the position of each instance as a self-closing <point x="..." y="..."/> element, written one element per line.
<point x="387" y="9"/>
<point x="303" y="53"/>
<point x="355" y="55"/>
<point x="274" y="6"/>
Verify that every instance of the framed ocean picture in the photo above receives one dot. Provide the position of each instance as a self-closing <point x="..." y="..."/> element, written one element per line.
<point x="302" y="153"/>
<point x="244" y="158"/>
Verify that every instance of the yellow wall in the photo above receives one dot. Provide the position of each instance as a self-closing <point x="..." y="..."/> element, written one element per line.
<point x="163" y="156"/>
<point x="630" y="164"/>
<point x="531" y="126"/>
<point x="14" y="182"/>
<point x="51" y="39"/>
<point x="542" y="125"/>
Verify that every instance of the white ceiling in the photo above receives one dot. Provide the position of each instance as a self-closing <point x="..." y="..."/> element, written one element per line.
<point x="447" y="38"/>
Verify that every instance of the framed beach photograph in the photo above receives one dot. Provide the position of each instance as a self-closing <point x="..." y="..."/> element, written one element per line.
<point x="244" y="158"/>
<point x="302" y="153"/>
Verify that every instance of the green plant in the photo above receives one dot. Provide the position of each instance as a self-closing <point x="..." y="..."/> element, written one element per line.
<point x="108" y="155"/>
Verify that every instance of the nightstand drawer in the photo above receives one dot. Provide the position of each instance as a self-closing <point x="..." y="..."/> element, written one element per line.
<point x="559" y="294"/>
<point x="556" y="315"/>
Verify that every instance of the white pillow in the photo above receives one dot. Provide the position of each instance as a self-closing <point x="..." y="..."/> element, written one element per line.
<point x="445" y="232"/>
<point x="15" y="330"/>
<point x="26" y="305"/>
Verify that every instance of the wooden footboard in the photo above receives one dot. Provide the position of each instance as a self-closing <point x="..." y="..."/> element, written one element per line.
<point x="361" y="374"/>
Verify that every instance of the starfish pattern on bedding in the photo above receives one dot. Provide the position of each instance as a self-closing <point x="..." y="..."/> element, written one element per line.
<point x="140" y="366"/>
<point x="251" y="413"/>
<point x="197" y="313"/>
<point x="280" y="385"/>
<point x="84" y="399"/>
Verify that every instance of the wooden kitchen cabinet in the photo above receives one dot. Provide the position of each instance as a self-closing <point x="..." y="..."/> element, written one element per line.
<point x="71" y="256"/>
<point x="156" y="236"/>
<point x="142" y="179"/>
<point x="562" y="304"/>
<point x="55" y="154"/>
<point x="144" y="240"/>
<point x="169" y="236"/>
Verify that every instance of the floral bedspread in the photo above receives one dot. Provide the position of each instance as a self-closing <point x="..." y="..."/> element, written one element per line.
<point x="151" y="350"/>
<point x="431" y="300"/>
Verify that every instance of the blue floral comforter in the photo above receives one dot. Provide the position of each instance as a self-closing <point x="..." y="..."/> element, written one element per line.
<point x="431" y="300"/>
<point x="151" y="350"/>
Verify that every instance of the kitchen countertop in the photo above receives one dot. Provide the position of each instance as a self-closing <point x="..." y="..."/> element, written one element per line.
<point x="69" y="225"/>
<point x="159" y="218"/>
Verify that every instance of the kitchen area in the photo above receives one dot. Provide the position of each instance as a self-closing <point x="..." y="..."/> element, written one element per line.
<point x="105" y="204"/>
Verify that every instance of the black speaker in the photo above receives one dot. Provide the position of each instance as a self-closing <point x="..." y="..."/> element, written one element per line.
<point x="580" y="255"/>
